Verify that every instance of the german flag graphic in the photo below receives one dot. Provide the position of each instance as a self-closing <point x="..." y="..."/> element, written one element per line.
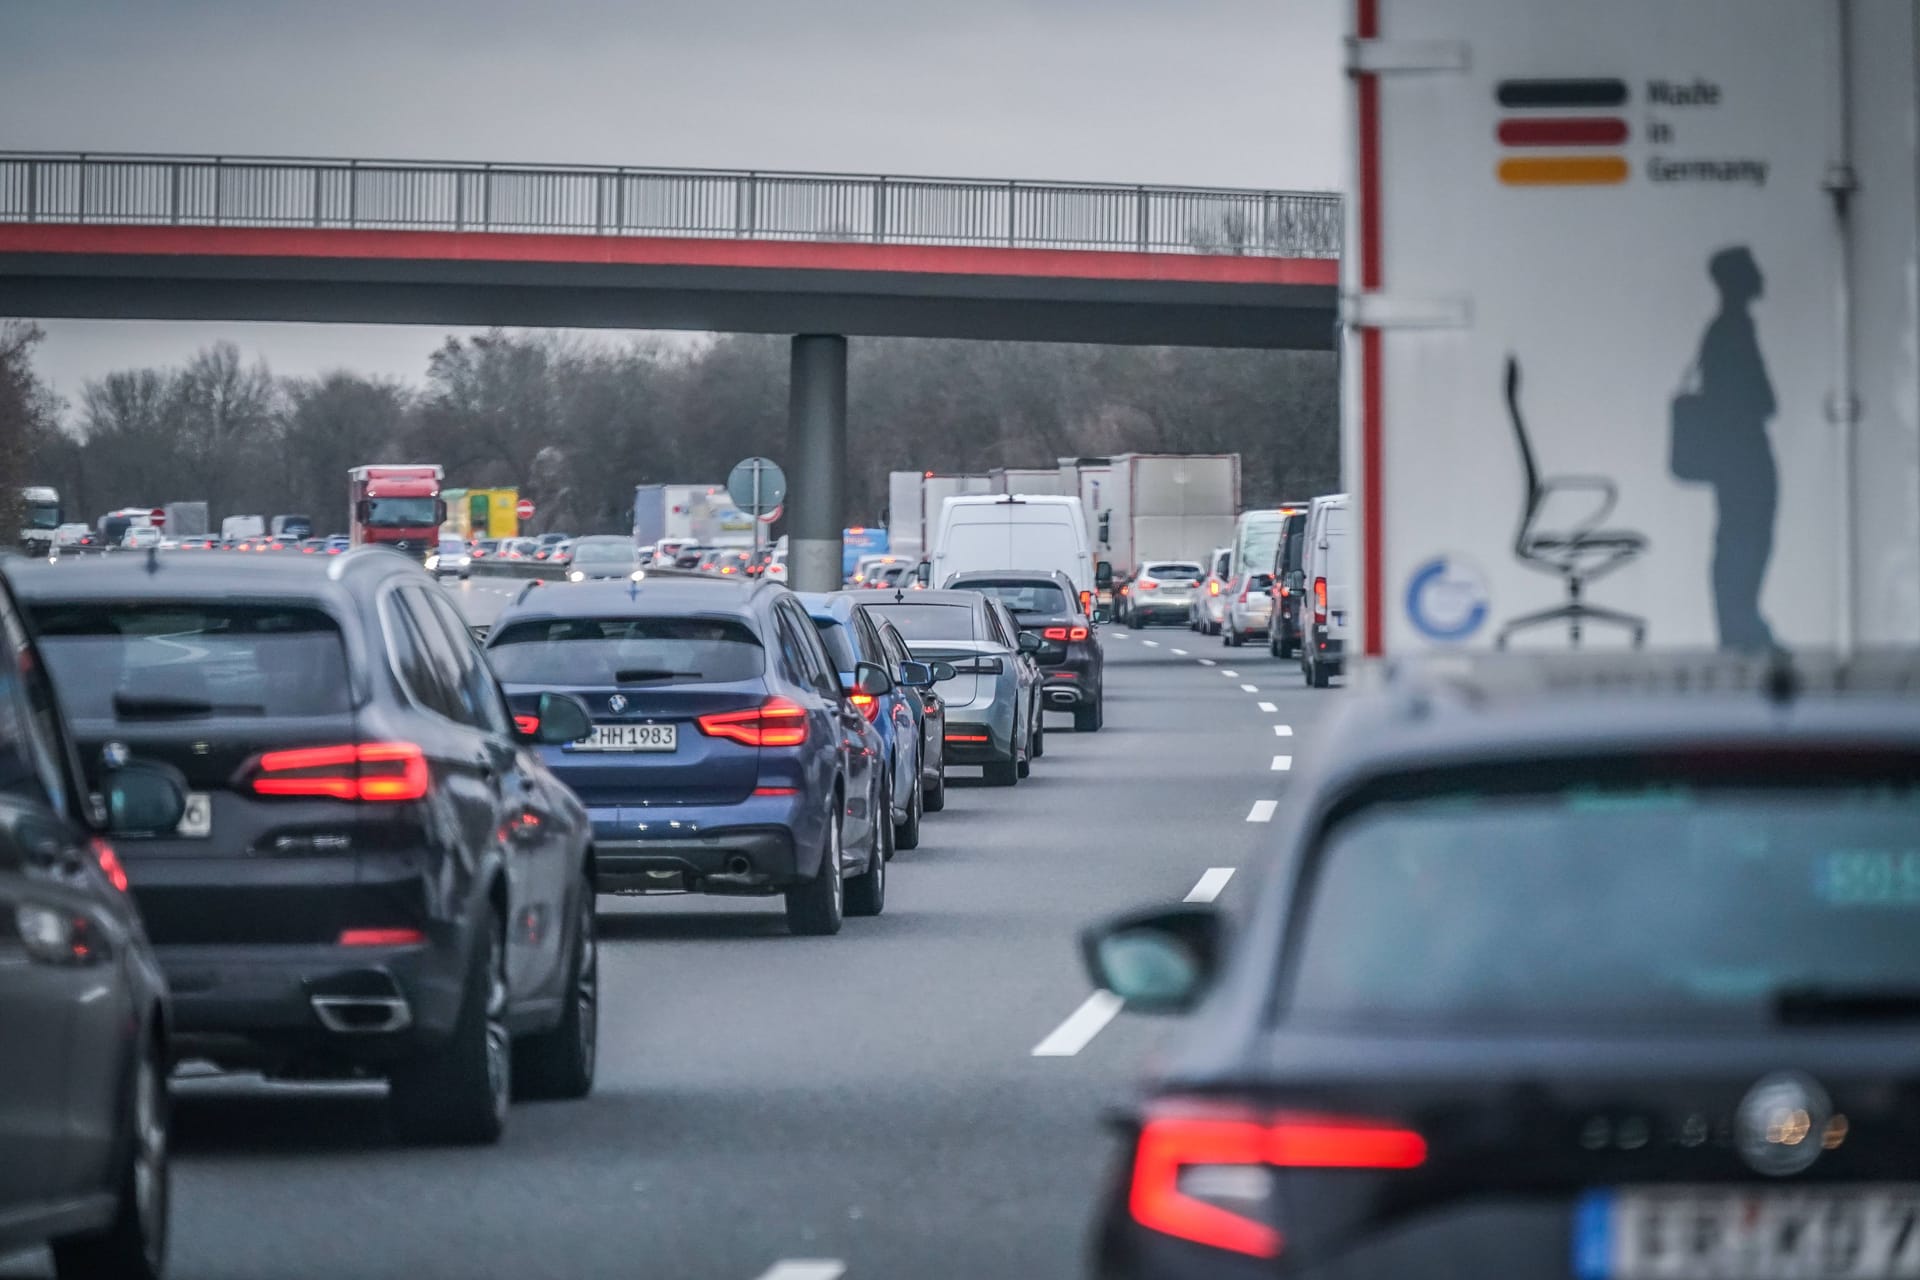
<point x="1569" y="118"/>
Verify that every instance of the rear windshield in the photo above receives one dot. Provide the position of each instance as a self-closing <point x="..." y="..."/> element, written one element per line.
<point x="181" y="660"/>
<point x="839" y="644"/>
<point x="616" y="651"/>
<point x="602" y="553"/>
<point x="1174" y="572"/>
<point x="929" y="621"/>
<point x="1653" y="902"/>
<point x="1023" y="597"/>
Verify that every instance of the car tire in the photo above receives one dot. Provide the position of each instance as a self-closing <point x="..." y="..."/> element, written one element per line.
<point x="1229" y="638"/>
<point x="134" y="1245"/>
<point x="458" y="1094"/>
<point x="1038" y="746"/>
<point x="558" y="1064"/>
<point x="1089" y="719"/>
<point x="934" y="798"/>
<point x="907" y="834"/>
<point x="1001" y="773"/>
<point x="816" y="908"/>
<point x="1317" y="676"/>
<point x="866" y="893"/>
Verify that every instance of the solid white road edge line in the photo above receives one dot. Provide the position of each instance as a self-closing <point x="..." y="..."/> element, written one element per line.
<point x="1268" y="706"/>
<point x="1262" y="810"/>
<point x="1210" y="884"/>
<point x="1081" y="1026"/>
<point x="1282" y="763"/>
<point x="805" y="1269"/>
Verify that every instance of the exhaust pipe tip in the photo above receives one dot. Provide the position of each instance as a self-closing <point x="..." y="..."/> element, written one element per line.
<point x="362" y="1015"/>
<point x="739" y="865"/>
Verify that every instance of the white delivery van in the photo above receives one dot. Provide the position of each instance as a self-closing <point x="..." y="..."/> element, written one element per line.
<point x="1630" y="325"/>
<point x="1328" y="612"/>
<point x="1013" y="531"/>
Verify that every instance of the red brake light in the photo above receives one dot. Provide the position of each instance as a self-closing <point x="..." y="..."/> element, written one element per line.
<point x="1170" y="1144"/>
<point x="1055" y="633"/>
<point x="774" y="723"/>
<point x="110" y="864"/>
<point x="776" y="791"/>
<point x="527" y="725"/>
<point x="868" y="704"/>
<point x="1078" y="633"/>
<point x="372" y="771"/>
<point x="1213" y="587"/>
<point x="1319" y="599"/>
<point x="381" y="938"/>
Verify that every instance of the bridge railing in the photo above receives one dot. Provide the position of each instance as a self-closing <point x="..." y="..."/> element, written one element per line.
<point x="244" y="191"/>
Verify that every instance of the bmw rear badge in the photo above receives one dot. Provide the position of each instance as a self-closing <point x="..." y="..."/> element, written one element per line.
<point x="1782" y="1123"/>
<point x="617" y="703"/>
<point x="114" y="754"/>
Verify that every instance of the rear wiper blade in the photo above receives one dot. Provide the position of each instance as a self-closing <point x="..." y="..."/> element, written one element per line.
<point x="1813" y="1003"/>
<point x="642" y="675"/>
<point x="156" y="706"/>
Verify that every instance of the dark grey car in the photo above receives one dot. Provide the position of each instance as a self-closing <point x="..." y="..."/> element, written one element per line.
<point x="1619" y="983"/>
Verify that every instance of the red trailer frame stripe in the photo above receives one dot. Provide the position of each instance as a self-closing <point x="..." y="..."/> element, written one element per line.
<point x="1372" y="497"/>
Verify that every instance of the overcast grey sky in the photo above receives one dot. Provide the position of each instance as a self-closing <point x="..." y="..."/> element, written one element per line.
<point x="1224" y="92"/>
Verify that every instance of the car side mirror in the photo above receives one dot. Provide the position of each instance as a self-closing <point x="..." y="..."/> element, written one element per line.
<point x="923" y="574"/>
<point x="560" y="718"/>
<point x="1162" y="960"/>
<point x="142" y="799"/>
<point x="1102" y="613"/>
<point x="872" y="679"/>
<point x="943" y="671"/>
<point x="1029" y="642"/>
<point x="1103" y="575"/>
<point x="916" y="675"/>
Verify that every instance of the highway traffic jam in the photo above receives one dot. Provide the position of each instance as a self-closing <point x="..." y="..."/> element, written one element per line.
<point x="1504" y="862"/>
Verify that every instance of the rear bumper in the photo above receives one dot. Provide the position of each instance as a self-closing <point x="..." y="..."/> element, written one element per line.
<point x="270" y="1006"/>
<point x="966" y="726"/>
<point x="1328" y="651"/>
<point x="721" y="859"/>
<point x="1073" y="685"/>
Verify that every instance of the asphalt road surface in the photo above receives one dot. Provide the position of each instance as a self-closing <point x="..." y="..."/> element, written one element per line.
<point x="920" y="1096"/>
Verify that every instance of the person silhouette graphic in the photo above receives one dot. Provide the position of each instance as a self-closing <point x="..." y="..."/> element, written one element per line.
<point x="1735" y="400"/>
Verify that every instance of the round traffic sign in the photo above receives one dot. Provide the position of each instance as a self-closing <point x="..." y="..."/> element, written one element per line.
<point x="158" y="516"/>
<point x="524" y="508"/>
<point x="757" y="486"/>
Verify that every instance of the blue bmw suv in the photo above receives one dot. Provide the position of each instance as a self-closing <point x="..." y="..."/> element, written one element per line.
<point x="725" y="757"/>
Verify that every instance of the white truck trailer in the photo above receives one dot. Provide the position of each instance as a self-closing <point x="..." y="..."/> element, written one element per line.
<point x="1631" y="322"/>
<point x="1166" y="506"/>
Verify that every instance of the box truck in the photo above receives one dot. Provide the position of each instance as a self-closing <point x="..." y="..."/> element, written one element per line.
<point x="185" y="519"/>
<point x="1165" y="506"/>
<point x="1630" y="322"/>
<point x="1026" y="480"/>
<point x="482" y="513"/>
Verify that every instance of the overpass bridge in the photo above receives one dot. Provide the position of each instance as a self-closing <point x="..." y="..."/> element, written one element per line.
<point x="819" y="256"/>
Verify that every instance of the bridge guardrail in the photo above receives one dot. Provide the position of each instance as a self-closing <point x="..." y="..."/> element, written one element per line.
<point x="257" y="191"/>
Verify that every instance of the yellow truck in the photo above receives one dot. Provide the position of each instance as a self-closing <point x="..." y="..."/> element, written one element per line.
<point x="481" y="513"/>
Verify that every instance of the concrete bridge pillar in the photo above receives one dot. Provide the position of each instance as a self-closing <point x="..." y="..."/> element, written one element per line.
<point x="817" y="461"/>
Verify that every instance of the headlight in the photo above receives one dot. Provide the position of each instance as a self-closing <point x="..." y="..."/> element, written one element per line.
<point x="574" y="575"/>
<point x="433" y="562"/>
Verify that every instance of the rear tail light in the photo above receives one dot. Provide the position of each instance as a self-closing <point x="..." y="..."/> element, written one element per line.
<point x="1179" y="1154"/>
<point x="1319" y="599"/>
<point x="776" y="791"/>
<point x="967" y="737"/>
<point x="381" y="937"/>
<point x="110" y="865"/>
<point x="1213" y="586"/>
<point x="1149" y="584"/>
<point x="369" y="771"/>
<point x="1064" y="633"/>
<point x="527" y="725"/>
<point x="774" y="723"/>
<point x="868" y="704"/>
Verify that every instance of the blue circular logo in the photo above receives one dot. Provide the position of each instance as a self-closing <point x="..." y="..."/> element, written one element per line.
<point x="1447" y="599"/>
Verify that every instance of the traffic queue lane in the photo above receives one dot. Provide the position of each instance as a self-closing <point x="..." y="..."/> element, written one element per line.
<point x="921" y="1095"/>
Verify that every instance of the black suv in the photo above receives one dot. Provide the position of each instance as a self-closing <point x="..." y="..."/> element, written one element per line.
<point x="1072" y="661"/>
<point x="374" y="874"/>
<point x="83" y="1006"/>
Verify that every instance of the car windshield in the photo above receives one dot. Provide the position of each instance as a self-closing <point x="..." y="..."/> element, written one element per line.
<point x="648" y="651"/>
<point x="1182" y="572"/>
<point x="1022" y="597"/>
<point x="617" y="552"/>
<point x="1645" y="901"/>
<point x="184" y="659"/>
<point x="452" y="547"/>
<point x="917" y="621"/>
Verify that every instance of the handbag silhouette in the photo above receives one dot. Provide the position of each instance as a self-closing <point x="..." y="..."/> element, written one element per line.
<point x="1691" y="451"/>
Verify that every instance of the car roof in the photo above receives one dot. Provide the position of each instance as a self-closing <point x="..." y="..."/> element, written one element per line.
<point x="946" y="595"/>
<point x="1053" y="576"/>
<point x="129" y="577"/>
<point x="656" y="594"/>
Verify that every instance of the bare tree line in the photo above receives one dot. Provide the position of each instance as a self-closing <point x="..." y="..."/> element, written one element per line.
<point x="575" y="422"/>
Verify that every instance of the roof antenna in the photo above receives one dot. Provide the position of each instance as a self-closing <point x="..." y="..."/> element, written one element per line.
<point x="1782" y="682"/>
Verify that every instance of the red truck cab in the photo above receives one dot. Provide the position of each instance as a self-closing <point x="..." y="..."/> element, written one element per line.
<point x="396" y="506"/>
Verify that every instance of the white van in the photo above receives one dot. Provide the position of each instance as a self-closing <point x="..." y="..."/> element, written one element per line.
<point x="1013" y="531"/>
<point x="1328" y="608"/>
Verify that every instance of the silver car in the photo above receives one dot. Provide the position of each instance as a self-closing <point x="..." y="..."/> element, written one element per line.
<point x="1249" y="610"/>
<point x="1161" y="591"/>
<point x="992" y="701"/>
<point x="1209" y="612"/>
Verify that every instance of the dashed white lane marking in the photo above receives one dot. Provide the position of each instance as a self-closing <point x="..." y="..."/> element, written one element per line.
<point x="1249" y="688"/>
<point x="1283" y="731"/>
<point x="805" y="1269"/>
<point x="1081" y="1026"/>
<point x="1210" y="884"/>
<point x="1123" y="635"/>
<point x="1180" y="652"/>
<point x="1208" y="662"/>
<point x="1262" y="810"/>
<point x="1268" y="707"/>
<point x="1231" y="675"/>
<point x="1282" y="763"/>
<point x="1151" y="644"/>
